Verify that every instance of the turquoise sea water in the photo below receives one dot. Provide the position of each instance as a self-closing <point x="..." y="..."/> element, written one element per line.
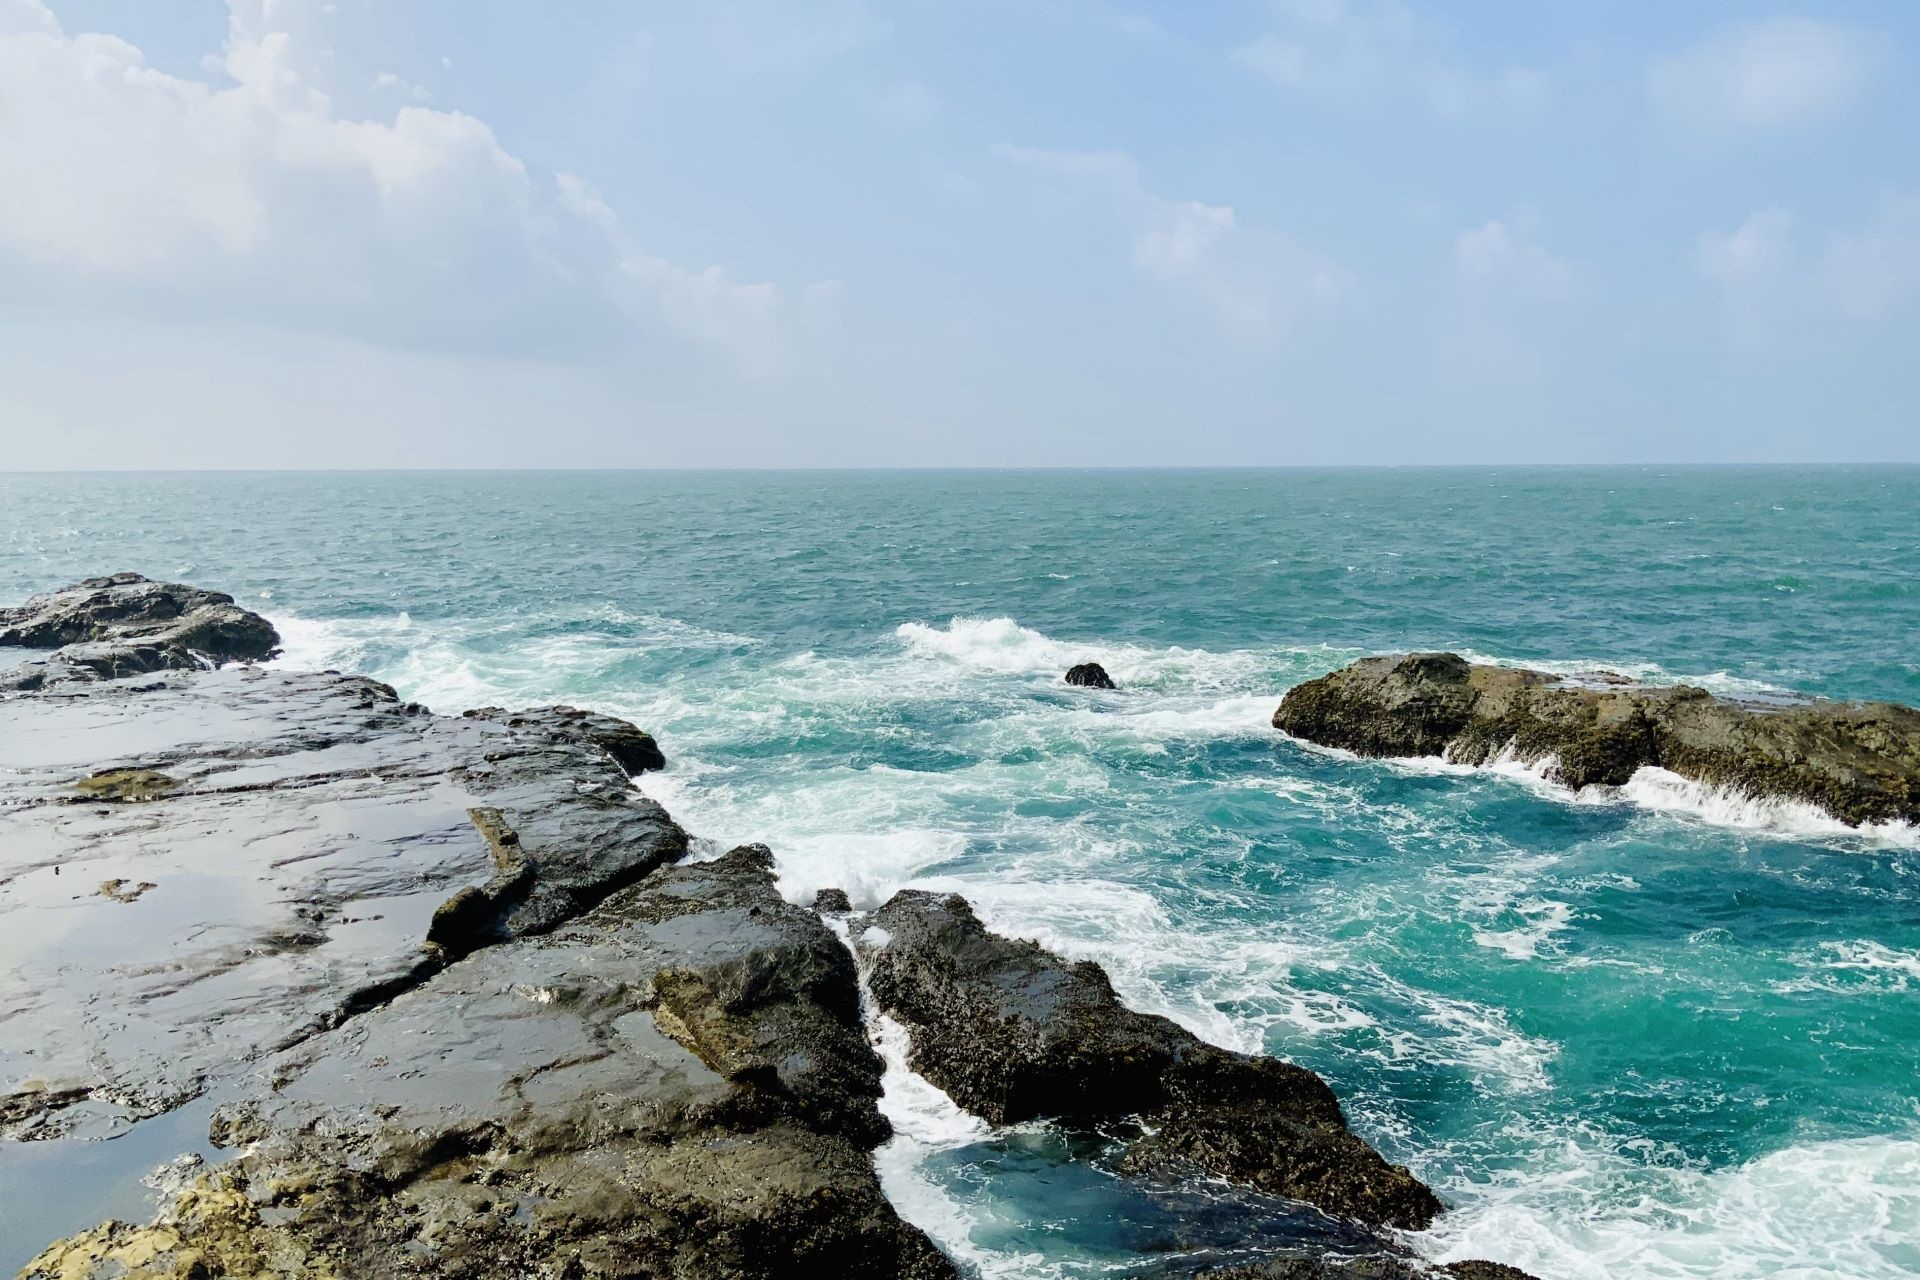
<point x="1653" y="1032"/>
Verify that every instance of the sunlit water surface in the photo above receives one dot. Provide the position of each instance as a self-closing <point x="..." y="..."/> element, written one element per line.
<point x="1650" y="1033"/>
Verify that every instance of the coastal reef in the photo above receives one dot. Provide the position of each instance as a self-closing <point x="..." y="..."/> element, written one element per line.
<point x="460" y="1001"/>
<point x="1858" y="761"/>
<point x="460" y="1004"/>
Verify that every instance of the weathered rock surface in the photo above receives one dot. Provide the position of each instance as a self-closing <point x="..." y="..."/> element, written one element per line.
<point x="633" y="749"/>
<point x="1090" y="675"/>
<point x="1859" y="761"/>
<point x="312" y="846"/>
<point x="465" y="1013"/>
<point x="124" y="624"/>
<point x="676" y="1084"/>
<point x="1012" y="1032"/>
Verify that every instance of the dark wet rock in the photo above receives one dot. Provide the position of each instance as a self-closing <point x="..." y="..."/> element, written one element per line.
<point x="832" y="902"/>
<point x="1012" y="1032"/>
<point x="306" y="833"/>
<point x="1859" y="761"/>
<point x="675" y="1084"/>
<point x="1090" y="675"/>
<point x="124" y="625"/>
<point x="467" y="1012"/>
<point x="633" y="749"/>
<point x="1380" y="1267"/>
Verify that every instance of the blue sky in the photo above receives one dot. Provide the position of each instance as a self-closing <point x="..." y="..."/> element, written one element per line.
<point x="1060" y="232"/>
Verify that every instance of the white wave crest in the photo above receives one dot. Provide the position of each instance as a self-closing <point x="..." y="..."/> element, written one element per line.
<point x="1001" y="646"/>
<point x="1543" y="918"/>
<point x="1665" y="792"/>
<point x="1842" y="1208"/>
<point x="1652" y="673"/>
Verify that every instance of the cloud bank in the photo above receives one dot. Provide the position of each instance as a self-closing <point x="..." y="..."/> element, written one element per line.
<point x="251" y="195"/>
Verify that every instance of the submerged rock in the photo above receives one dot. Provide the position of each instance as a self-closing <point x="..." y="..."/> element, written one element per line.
<point x="125" y="624"/>
<point x="1012" y="1032"/>
<point x="1859" y="761"/>
<point x="1090" y="675"/>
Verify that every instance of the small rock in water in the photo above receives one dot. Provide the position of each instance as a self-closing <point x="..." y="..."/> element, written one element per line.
<point x="832" y="902"/>
<point x="1090" y="675"/>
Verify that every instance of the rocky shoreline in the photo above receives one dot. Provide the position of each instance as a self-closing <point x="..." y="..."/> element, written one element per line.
<point x="463" y="1005"/>
<point x="1857" y="761"/>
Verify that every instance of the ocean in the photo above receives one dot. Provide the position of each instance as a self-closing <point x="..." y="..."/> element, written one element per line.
<point x="1646" y="1032"/>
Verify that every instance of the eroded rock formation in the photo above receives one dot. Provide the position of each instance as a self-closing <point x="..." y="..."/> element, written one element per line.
<point x="1012" y="1032"/>
<point x="1859" y="761"/>
<point x="123" y="624"/>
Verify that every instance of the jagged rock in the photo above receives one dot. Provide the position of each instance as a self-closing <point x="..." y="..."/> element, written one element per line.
<point x="675" y="1084"/>
<point x="633" y="749"/>
<point x="1012" y="1032"/>
<point x="304" y="834"/>
<point x="1859" y="761"/>
<point x="1090" y="675"/>
<point x="125" y="624"/>
<point x="832" y="902"/>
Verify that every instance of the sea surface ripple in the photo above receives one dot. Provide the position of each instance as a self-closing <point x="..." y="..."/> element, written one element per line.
<point x="1651" y="1032"/>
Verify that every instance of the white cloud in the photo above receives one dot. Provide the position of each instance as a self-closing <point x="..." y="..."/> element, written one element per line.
<point x="1355" y="52"/>
<point x="388" y="82"/>
<point x="1758" y="250"/>
<point x="1872" y="271"/>
<point x="258" y="200"/>
<point x="1503" y="259"/>
<point x="1256" y="281"/>
<point x="1776" y="285"/>
<point x="1764" y="75"/>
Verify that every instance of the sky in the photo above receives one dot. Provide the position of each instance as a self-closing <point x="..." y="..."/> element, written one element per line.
<point x="834" y="233"/>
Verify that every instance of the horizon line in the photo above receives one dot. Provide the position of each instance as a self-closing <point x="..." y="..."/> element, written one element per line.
<point x="879" y="469"/>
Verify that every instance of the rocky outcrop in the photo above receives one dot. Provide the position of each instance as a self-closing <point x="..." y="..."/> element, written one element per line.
<point x="632" y="748"/>
<point x="466" y="1011"/>
<point x="1090" y="675"/>
<point x="1859" y="761"/>
<point x="313" y="844"/>
<point x="1012" y="1032"/>
<point x="675" y="1084"/>
<point x="124" y="624"/>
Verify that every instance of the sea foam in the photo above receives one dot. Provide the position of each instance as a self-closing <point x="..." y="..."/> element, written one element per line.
<point x="1842" y="1208"/>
